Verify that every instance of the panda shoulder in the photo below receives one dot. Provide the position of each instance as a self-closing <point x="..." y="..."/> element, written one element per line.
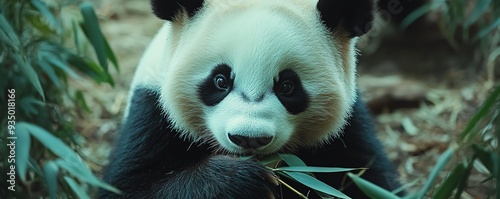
<point x="148" y="73"/>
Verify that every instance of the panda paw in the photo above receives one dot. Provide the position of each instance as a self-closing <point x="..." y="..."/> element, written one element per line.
<point x="222" y="177"/>
<point x="241" y="178"/>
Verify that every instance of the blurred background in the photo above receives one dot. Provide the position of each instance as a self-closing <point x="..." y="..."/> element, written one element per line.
<point x="428" y="71"/>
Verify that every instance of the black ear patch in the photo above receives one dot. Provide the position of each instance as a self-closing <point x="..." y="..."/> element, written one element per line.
<point x="168" y="9"/>
<point x="355" y="16"/>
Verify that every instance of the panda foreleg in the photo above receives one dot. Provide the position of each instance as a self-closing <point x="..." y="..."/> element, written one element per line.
<point x="150" y="160"/>
<point x="220" y="177"/>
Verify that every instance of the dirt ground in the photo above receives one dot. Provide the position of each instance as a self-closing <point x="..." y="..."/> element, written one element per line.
<point x="420" y="90"/>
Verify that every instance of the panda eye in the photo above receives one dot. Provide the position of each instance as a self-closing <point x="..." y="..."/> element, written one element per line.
<point x="220" y="82"/>
<point x="286" y="87"/>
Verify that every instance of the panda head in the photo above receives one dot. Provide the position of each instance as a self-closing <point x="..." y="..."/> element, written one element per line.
<point x="259" y="76"/>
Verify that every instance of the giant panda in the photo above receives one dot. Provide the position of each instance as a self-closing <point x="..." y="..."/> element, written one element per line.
<point x="230" y="78"/>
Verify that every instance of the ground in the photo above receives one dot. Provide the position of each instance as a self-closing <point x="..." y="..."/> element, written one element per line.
<point x="420" y="90"/>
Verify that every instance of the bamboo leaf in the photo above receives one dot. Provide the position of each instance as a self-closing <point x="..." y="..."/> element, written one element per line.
<point x="315" y="184"/>
<point x="81" y="101"/>
<point x="270" y="159"/>
<point x="50" y="170"/>
<point x="50" y="72"/>
<point x="483" y="111"/>
<point x="292" y="160"/>
<point x="54" y="144"/>
<point x="316" y="169"/>
<point x="111" y="55"/>
<point x="22" y="145"/>
<point x="419" y="12"/>
<point x="370" y="189"/>
<point x="442" y="161"/>
<point x="451" y="182"/>
<point x="44" y="11"/>
<point x="484" y="156"/>
<point x="479" y="9"/>
<point x="8" y="35"/>
<point x="30" y="73"/>
<point x="462" y="184"/>
<point x="83" y="173"/>
<point x="493" y="26"/>
<point x="92" y="30"/>
<point x="79" y="190"/>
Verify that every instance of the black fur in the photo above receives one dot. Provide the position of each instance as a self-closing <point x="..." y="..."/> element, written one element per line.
<point x="354" y="16"/>
<point x="209" y="94"/>
<point x="151" y="161"/>
<point x="297" y="101"/>
<point x="168" y="9"/>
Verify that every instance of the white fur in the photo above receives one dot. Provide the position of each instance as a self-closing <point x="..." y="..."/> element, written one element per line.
<point x="257" y="39"/>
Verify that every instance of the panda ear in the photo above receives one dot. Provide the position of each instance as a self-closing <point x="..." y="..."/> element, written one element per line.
<point x="354" y="16"/>
<point x="169" y="9"/>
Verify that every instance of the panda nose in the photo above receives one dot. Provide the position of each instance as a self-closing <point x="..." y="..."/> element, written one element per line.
<point x="250" y="142"/>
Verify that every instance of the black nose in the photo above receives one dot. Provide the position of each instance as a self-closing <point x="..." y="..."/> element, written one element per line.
<point x="250" y="142"/>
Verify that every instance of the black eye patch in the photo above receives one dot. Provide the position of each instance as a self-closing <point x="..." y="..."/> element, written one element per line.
<point x="290" y="92"/>
<point x="216" y="86"/>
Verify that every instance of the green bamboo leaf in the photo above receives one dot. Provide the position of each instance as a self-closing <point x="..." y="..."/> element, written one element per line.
<point x="292" y="160"/>
<point x="54" y="144"/>
<point x="22" y="144"/>
<point x="462" y="184"/>
<point x="50" y="170"/>
<point x="495" y="25"/>
<point x="44" y="11"/>
<point x="479" y="9"/>
<point x="316" y="169"/>
<point x="270" y="159"/>
<point x="33" y="164"/>
<point x="50" y="72"/>
<point x="370" y="189"/>
<point x="8" y="35"/>
<point x="111" y="55"/>
<point x="483" y="111"/>
<point x="315" y="184"/>
<point x="92" y="30"/>
<point x="79" y="190"/>
<point x="451" y="182"/>
<point x="39" y="25"/>
<point x="442" y="161"/>
<point x="56" y="61"/>
<point x="80" y="100"/>
<point x="419" y="12"/>
<point x="90" y="69"/>
<point x="30" y="73"/>
<point x="484" y="156"/>
<point x="84" y="174"/>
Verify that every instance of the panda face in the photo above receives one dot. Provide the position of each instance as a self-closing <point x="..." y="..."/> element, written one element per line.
<point x="258" y="76"/>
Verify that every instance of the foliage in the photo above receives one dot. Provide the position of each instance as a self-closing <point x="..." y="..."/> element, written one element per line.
<point x="469" y="21"/>
<point x="478" y="145"/>
<point x="38" y="64"/>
